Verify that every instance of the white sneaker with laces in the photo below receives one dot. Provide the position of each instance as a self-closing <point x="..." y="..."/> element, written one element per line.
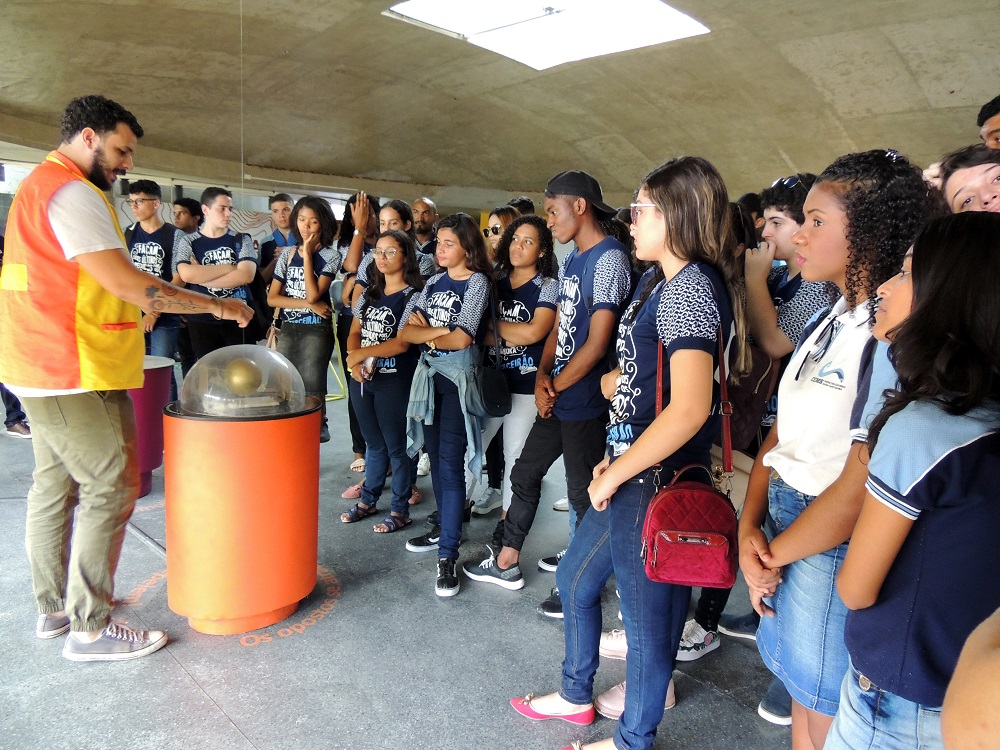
<point x="561" y="504"/>
<point x="696" y="641"/>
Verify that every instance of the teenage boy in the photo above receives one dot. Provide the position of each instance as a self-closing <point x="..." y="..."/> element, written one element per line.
<point x="594" y="282"/>
<point x="218" y="261"/>
<point x="187" y="215"/>
<point x="989" y="123"/>
<point x="281" y="206"/>
<point x="151" y="243"/>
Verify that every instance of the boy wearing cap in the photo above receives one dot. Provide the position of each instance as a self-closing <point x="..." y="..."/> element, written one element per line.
<point x="594" y="282"/>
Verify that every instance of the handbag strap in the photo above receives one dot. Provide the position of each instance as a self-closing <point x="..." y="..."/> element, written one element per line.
<point x="725" y="405"/>
<point x="496" y="329"/>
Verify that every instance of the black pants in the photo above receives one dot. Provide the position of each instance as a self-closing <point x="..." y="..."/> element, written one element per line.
<point x="494" y="461"/>
<point x="343" y="331"/>
<point x="581" y="444"/>
<point x="207" y="337"/>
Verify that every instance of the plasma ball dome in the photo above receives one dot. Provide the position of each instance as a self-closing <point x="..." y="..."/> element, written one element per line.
<point x="242" y="376"/>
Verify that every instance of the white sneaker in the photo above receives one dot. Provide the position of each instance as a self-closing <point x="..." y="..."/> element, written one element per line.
<point x="424" y="465"/>
<point x="488" y="502"/>
<point x="696" y="641"/>
<point x="561" y="504"/>
<point x="612" y="703"/>
<point x="613" y="645"/>
<point x="116" y="642"/>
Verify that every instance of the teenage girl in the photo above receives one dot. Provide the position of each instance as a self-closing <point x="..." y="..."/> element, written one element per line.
<point x="527" y="295"/>
<point x="920" y="572"/>
<point x="680" y="220"/>
<point x="301" y="288"/>
<point x="445" y="323"/>
<point x="381" y="366"/>
<point x="861" y="215"/>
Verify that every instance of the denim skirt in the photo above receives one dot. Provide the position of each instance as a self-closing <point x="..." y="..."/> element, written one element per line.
<point x="803" y="644"/>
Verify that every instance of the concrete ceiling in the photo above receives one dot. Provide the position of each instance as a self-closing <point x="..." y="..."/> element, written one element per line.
<point x="336" y="95"/>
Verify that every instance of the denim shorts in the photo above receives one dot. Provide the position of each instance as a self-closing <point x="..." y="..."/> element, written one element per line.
<point x="873" y="718"/>
<point x="803" y="644"/>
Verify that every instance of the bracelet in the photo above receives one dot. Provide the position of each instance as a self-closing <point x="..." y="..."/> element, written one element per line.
<point x="221" y="310"/>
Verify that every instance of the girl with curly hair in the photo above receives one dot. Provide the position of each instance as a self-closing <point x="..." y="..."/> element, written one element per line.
<point x="920" y="571"/>
<point x="861" y="215"/>
<point x="527" y="292"/>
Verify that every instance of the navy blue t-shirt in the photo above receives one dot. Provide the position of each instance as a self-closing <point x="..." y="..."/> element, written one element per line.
<point x="447" y="303"/>
<point x="291" y="273"/>
<point x="944" y="582"/>
<point x="599" y="279"/>
<point x="229" y="249"/>
<point x="383" y="320"/>
<point x="683" y="313"/>
<point x="518" y="306"/>
<point x="153" y="252"/>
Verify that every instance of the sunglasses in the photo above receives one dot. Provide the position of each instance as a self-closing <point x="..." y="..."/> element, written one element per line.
<point x="495" y="230"/>
<point x="788" y="182"/>
<point x="822" y="344"/>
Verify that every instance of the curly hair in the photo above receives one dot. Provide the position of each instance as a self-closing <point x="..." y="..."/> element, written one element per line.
<point x="411" y="268"/>
<point x="98" y="113"/>
<point x="787" y="195"/>
<point x="546" y="261"/>
<point x="947" y="351"/>
<point x="327" y="221"/>
<point x="886" y="201"/>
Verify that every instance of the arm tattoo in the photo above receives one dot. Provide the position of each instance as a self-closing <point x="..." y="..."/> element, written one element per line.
<point x="162" y="295"/>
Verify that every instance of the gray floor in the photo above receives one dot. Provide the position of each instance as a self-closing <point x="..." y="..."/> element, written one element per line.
<point x="390" y="665"/>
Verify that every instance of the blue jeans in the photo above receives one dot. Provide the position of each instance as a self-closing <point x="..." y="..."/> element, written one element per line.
<point x="445" y="443"/>
<point x="873" y="718"/>
<point x="162" y="342"/>
<point x="12" y="407"/>
<point x="381" y="413"/>
<point x="653" y="613"/>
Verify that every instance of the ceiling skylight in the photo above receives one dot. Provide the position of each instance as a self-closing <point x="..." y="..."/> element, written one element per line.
<point x="546" y="33"/>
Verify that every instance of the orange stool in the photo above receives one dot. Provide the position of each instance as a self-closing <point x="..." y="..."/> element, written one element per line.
<point x="242" y="507"/>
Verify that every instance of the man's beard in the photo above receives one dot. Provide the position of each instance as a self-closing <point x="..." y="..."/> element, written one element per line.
<point x="98" y="171"/>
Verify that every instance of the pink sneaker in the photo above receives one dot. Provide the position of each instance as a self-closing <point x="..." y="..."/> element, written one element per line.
<point x="353" y="492"/>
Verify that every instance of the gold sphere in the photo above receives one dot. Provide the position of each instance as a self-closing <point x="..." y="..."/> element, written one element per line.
<point x="243" y="377"/>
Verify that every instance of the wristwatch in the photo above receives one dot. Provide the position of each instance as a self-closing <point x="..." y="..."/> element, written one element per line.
<point x="431" y="345"/>
<point x="356" y="232"/>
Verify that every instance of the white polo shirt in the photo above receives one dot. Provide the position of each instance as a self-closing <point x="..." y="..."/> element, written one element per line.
<point x="815" y="398"/>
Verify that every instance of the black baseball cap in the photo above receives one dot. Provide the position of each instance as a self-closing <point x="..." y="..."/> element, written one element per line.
<point x="575" y="182"/>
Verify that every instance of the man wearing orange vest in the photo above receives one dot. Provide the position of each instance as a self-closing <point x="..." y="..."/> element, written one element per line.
<point x="71" y="344"/>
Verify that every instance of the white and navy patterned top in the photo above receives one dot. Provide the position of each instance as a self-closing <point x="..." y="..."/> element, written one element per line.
<point x="383" y="320"/>
<point x="153" y="252"/>
<point x="940" y="471"/>
<point x="683" y="313"/>
<point x="366" y="259"/>
<point x="229" y="249"/>
<point x="599" y="279"/>
<point x="798" y="300"/>
<point x="291" y="273"/>
<point x="447" y="303"/>
<point x="518" y="306"/>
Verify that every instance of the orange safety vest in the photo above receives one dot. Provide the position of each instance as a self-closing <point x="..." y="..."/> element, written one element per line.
<point x="59" y="328"/>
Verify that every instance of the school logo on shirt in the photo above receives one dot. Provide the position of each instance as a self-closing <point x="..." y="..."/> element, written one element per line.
<point x="295" y="287"/>
<point x="569" y="300"/>
<point x="443" y="309"/>
<point x="514" y="356"/>
<point x="622" y="408"/>
<point x="379" y="325"/>
<point x="829" y="376"/>
<point x="148" y="257"/>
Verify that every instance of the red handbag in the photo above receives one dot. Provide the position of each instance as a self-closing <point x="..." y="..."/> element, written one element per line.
<point x="689" y="537"/>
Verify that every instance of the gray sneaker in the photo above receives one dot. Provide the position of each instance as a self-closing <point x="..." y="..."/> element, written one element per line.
<point x="489" y="501"/>
<point x="488" y="571"/>
<point x="51" y="626"/>
<point x="116" y="643"/>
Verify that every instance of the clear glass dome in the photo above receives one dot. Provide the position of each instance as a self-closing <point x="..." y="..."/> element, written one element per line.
<point x="243" y="382"/>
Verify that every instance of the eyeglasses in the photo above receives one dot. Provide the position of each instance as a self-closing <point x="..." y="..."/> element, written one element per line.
<point x="636" y="209"/>
<point x="387" y="254"/>
<point x="822" y="344"/>
<point x="136" y="202"/>
<point x="494" y="230"/>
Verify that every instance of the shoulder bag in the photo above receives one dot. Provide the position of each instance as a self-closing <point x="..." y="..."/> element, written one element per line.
<point x="689" y="537"/>
<point x="491" y="391"/>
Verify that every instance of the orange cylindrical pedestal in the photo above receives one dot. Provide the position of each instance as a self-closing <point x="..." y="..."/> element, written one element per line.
<point x="242" y="506"/>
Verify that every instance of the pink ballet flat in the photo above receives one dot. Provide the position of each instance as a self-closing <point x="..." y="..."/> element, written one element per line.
<point x="523" y="707"/>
